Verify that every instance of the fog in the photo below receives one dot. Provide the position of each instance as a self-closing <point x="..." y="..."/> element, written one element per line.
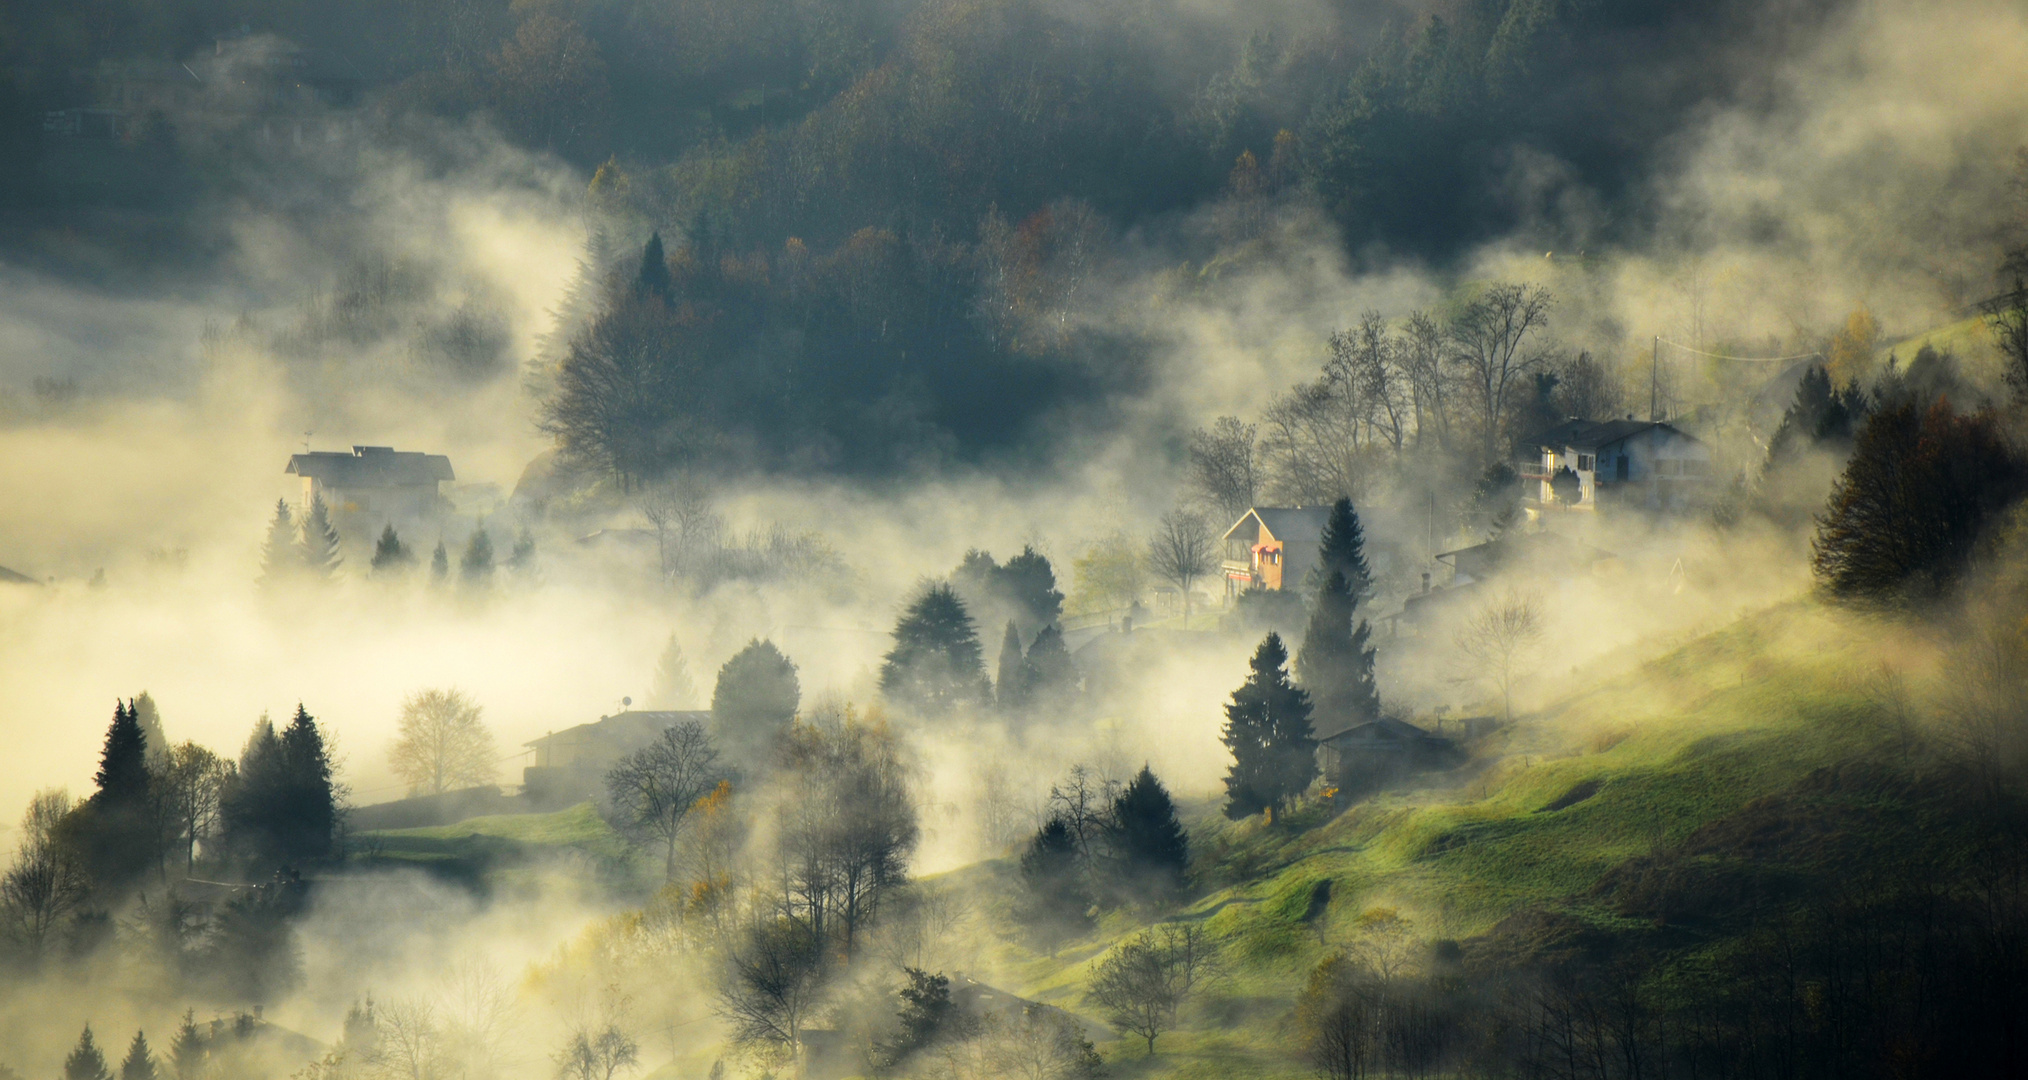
<point x="146" y="419"/>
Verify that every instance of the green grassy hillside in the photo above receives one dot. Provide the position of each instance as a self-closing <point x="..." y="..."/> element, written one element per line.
<point x="477" y="847"/>
<point x="1545" y="835"/>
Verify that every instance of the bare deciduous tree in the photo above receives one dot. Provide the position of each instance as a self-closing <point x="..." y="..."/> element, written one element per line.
<point x="1140" y="985"/>
<point x="1224" y="467"/>
<point x="443" y="745"/>
<point x="1182" y="551"/>
<point x="596" y="1054"/>
<point x="652" y="790"/>
<point x="1490" y="337"/>
<point x="47" y="883"/>
<point x="1498" y="638"/>
<point x="773" y="981"/>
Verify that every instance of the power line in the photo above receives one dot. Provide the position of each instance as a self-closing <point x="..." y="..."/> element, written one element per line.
<point x="1740" y="359"/>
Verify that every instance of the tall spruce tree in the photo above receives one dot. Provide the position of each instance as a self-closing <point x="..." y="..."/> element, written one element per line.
<point x="1335" y="665"/>
<point x="754" y="701"/>
<point x="391" y="557"/>
<point x="157" y="740"/>
<point x="139" y="1064"/>
<point x="475" y="566"/>
<point x="309" y="828"/>
<point x="1151" y="850"/>
<point x="654" y="280"/>
<point x="1267" y="728"/>
<point x="935" y="665"/>
<point x="440" y="564"/>
<point x="187" y="1049"/>
<point x="85" y="1061"/>
<point x="279" y="560"/>
<point x="1048" y="670"/>
<point x="1343" y="550"/>
<point x="254" y="799"/>
<point x="319" y="549"/>
<point x="1011" y="683"/>
<point x="673" y="688"/>
<point x="1057" y="900"/>
<point x="117" y="827"/>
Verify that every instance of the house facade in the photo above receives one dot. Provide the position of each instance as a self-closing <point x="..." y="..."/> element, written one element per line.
<point x="1644" y="463"/>
<point x="374" y="486"/>
<point x="1374" y="750"/>
<point x="570" y="765"/>
<point x="1272" y="547"/>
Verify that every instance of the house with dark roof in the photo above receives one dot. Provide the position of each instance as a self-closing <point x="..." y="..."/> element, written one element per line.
<point x="1272" y="547"/>
<point x="1586" y="464"/>
<point x="374" y="486"/>
<point x="1374" y="750"/>
<point x="570" y="765"/>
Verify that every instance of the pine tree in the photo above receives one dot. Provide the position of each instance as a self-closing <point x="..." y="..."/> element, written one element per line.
<point x="1029" y="581"/>
<point x="754" y="700"/>
<point x="1057" y="899"/>
<point x="139" y="1065"/>
<point x="117" y="828"/>
<point x="1011" y="686"/>
<point x="249" y="807"/>
<point x="390" y="556"/>
<point x="935" y="665"/>
<point x="85" y="1062"/>
<point x="154" y="738"/>
<point x="319" y="549"/>
<point x="653" y="280"/>
<point x="279" y="560"/>
<point x="1335" y="665"/>
<point x="440" y="564"/>
<point x="1343" y="550"/>
<point x="1050" y="673"/>
<point x="187" y="1049"/>
<point x="1267" y="728"/>
<point x="521" y="558"/>
<point x="673" y="688"/>
<point x="476" y="564"/>
<point x="310" y="823"/>
<point x="1149" y="843"/>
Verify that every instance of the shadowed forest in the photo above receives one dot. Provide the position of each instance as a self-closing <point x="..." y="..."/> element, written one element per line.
<point x="976" y="539"/>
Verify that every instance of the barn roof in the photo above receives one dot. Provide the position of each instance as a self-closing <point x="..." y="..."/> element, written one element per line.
<point x="1385" y="728"/>
<point x="371" y="467"/>
<point x="1596" y="434"/>
<point x="631" y="730"/>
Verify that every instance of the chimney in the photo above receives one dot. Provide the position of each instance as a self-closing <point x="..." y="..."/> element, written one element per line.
<point x="1425" y="581"/>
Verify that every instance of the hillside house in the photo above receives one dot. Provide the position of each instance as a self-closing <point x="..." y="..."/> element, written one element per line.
<point x="374" y="486"/>
<point x="1272" y="547"/>
<point x="570" y="765"/>
<point x="1374" y="750"/>
<point x="1644" y="463"/>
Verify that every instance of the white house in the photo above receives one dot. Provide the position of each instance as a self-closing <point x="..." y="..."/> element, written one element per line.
<point x="374" y="485"/>
<point x="1646" y="463"/>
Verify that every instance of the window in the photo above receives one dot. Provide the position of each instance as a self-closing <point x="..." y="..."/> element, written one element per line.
<point x="1585" y="462"/>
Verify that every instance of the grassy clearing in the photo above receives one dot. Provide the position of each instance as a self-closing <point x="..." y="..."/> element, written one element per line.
<point x="1637" y="762"/>
<point x="493" y="839"/>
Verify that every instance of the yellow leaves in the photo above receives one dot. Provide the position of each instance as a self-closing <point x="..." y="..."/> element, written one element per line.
<point x="1852" y="347"/>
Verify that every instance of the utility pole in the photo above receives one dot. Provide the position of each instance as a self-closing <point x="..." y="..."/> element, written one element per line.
<point x="1654" y="376"/>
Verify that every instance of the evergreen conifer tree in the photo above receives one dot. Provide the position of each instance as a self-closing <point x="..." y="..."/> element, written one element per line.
<point x="249" y="806"/>
<point x="1149" y="844"/>
<point x="1011" y="685"/>
<point x="1335" y="665"/>
<point x="440" y="564"/>
<point x="117" y="828"/>
<point x="521" y="558"/>
<point x="154" y="737"/>
<point x="476" y="564"/>
<point x="653" y="279"/>
<point x="1050" y="673"/>
<point x="1343" y="550"/>
<point x="1267" y="728"/>
<point x="935" y="665"/>
<point x="1029" y="581"/>
<point x="754" y="700"/>
<point x="390" y="556"/>
<point x="279" y="560"/>
<point x="139" y="1064"/>
<point x="309" y="827"/>
<point x="673" y="688"/>
<point x="1057" y="899"/>
<point x="85" y="1062"/>
<point x="319" y="549"/>
<point x="187" y="1049"/>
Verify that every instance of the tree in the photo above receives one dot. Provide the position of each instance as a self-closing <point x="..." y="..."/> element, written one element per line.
<point x="1051" y="869"/>
<point x="1011" y="687"/>
<point x="440" y="564"/>
<point x="629" y="396"/>
<point x="1819" y="414"/>
<point x="549" y="87"/>
<point x="935" y="666"/>
<point x="1182" y="551"/>
<point x="846" y="825"/>
<point x="1139" y="988"/>
<point x="47" y="882"/>
<point x="442" y="744"/>
<point x="927" y="1017"/>
<point x="187" y="1049"/>
<point x="673" y="688"/>
<point x="521" y="558"/>
<point x="1047" y="672"/>
<point x="653" y="279"/>
<point x="1499" y="637"/>
<point x="1151" y="852"/>
<point x="1588" y="389"/>
<point x="1225" y="467"/>
<point x="754" y="701"/>
<point x="319" y="547"/>
<point x="1913" y="498"/>
<point x="2007" y="319"/>
<point x="651" y="791"/>
<point x="282" y="808"/>
<point x="279" y="560"/>
<point x="391" y="557"/>
<point x="596" y="1054"/>
<point x="1110" y="575"/>
<point x="1023" y="589"/>
<point x="475" y="566"/>
<point x="154" y="737"/>
<point x="773" y="981"/>
<point x="195" y="782"/>
<point x="1335" y="664"/>
<point x="1267" y="729"/>
<point x="139" y="1064"/>
<point x="310" y="830"/>
<point x="118" y="827"/>
<point x="85" y="1062"/>
<point x="1342" y="550"/>
<point x="1489" y="338"/>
